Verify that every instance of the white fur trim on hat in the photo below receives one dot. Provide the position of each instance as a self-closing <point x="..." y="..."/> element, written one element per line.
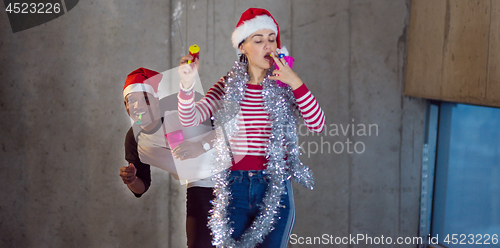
<point x="139" y="88"/>
<point x="252" y="25"/>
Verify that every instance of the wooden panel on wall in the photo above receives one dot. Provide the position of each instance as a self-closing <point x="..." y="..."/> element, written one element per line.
<point x="425" y="48"/>
<point x="451" y="51"/>
<point x="466" y="51"/>
<point x="493" y="83"/>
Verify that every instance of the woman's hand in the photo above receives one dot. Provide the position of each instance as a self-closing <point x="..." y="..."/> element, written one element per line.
<point x="187" y="72"/>
<point x="187" y="150"/>
<point x="285" y="74"/>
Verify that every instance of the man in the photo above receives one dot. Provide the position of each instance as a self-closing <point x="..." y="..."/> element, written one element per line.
<point x="147" y="143"/>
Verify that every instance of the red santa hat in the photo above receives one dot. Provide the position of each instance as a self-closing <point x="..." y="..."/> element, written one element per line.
<point x="142" y="80"/>
<point x="254" y="19"/>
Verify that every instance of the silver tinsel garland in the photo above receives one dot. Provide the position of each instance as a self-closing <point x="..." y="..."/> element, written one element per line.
<point x="282" y="154"/>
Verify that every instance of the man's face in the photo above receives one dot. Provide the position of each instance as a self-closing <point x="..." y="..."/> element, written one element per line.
<point x="142" y="107"/>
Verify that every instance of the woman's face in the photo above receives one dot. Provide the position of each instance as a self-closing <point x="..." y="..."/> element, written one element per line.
<point x="258" y="47"/>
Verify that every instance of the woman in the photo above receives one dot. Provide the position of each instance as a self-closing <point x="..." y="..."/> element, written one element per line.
<point x="257" y="137"/>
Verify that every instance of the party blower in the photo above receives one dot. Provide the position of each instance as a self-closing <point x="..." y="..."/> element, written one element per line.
<point x="283" y="53"/>
<point x="194" y="51"/>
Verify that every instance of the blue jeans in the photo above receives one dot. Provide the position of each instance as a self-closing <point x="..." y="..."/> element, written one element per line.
<point x="248" y="189"/>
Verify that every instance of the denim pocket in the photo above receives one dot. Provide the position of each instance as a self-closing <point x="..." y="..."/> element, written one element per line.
<point x="231" y="180"/>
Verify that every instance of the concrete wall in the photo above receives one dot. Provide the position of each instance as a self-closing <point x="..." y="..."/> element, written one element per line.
<point x="64" y="122"/>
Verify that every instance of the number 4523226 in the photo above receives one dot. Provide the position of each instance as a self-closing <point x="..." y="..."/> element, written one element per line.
<point x="33" y="8"/>
<point x="477" y="239"/>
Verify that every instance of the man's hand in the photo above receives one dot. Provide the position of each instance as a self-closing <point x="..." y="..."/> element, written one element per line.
<point x="187" y="150"/>
<point x="128" y="174"/>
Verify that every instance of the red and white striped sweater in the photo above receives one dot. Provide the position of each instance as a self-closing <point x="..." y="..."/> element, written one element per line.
<point x="249" y="144"/>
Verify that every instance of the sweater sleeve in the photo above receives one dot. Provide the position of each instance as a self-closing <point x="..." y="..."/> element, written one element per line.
<point x="193" y="113"/>
<point x="132" y="156"/>
<point x="311" y="112"/>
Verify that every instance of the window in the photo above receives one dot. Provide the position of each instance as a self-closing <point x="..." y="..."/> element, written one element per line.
<point x="464" y="192"/>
